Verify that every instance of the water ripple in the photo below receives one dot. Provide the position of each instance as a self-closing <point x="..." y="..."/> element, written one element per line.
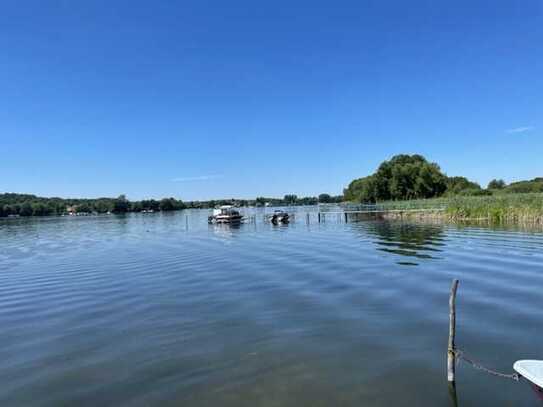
<point x="138" y="310"/>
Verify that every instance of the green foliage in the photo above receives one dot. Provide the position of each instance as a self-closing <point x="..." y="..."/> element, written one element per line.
<point x="306" y="200"/>
<point x="461" y="185"/>
<point x="526" y="208"/>
<point x="290" y="199"/>
<point x="473" y="192"/>
<point x="84" y="207"/>
<point x="26" y="209"/>
<point x="121" y="205"/>
<point x="31" y="205"/>
<point x="171" y="204"/>
<point x="535" y="185"/>
<point x="325" y="198"/>
<point x="400" y="178"/>
<point x="496" y="208"/>
<point x="496" y="184"/>
<point x="362" y="190"/>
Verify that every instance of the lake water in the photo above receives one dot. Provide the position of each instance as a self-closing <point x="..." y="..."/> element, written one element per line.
<point x="163" y="309"/>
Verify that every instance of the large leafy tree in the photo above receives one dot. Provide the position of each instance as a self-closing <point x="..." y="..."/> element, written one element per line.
<point x="402" y="177"/>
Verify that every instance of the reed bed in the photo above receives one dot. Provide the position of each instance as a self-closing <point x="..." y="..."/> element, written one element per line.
<point x="500" y="208"/>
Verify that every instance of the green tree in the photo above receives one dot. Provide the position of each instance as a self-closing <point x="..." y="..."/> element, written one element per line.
<point x="26" y="209"/>
<point x="83" y="207"/>
<point x="459" y="185"/>
<point x="401" y="177"/>
<point x="167" y="204"/>
<point x="136" y="206"/>
<point x="121" y="204"/>
<point x="497" y="184"/>
<point x="40" y="209"/>
<point x="290" y="199"/>
<point x="307" y="200"/>
<point x="325" y="198"/>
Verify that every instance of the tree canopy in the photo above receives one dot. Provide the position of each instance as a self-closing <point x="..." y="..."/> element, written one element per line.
<point x="463" y="186"/>
<point x="402" y="177"/>
<point x="497" y="184"/>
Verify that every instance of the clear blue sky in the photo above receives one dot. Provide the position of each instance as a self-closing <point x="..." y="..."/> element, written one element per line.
<point x="199" y="99"/>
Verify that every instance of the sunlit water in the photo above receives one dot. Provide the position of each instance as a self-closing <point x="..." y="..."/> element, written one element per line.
<point x="163" y="309"/>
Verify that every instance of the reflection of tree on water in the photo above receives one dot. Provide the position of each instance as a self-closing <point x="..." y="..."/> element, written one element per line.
<point x="420" y="241"/>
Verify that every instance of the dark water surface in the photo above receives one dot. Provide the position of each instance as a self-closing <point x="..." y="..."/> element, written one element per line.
<point x="137" y="310"/>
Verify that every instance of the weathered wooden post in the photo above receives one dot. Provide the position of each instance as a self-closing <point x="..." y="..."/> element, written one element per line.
<point x="452" y="332"/>
<point x="345" y="217"/>
<point x="307" y="215"/>
<point x="319" y="217"/>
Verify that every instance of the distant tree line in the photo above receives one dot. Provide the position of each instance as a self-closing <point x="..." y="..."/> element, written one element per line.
<point x="31" y="205"/>
<point x="406" y="177"/>
<point x="12" y="204"/>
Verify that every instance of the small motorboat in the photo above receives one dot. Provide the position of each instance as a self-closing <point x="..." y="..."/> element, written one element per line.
<point x="531" y="370"/>
<point x="225" y="214"/>
<point x="279" y="217"/>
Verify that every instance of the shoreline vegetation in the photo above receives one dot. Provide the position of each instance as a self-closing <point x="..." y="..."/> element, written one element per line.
<point x="520" y="208"/>
<point x="406" y="183"/>
<point x="411" y="182"/>
<point x="25" y="205"/>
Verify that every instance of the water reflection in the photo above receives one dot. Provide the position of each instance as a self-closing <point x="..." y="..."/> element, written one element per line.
<point x="416" y="241"/>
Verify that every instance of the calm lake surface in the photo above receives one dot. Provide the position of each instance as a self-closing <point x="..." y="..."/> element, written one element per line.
<point x="141" y="310"/>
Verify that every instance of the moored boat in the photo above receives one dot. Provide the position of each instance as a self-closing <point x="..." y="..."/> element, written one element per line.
<point x="225" y="214"/>
<point x="279" y="216"/>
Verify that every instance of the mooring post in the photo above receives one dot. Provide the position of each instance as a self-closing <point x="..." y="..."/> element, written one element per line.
<point x="187" y="222"/>
<point x="307" y="216"/>
<point x="452" y="334"/>
<point x="319" y="217"/>
<point x="345" y="217"/>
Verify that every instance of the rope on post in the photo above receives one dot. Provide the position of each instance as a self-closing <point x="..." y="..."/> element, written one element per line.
<point x="461" y="355"/>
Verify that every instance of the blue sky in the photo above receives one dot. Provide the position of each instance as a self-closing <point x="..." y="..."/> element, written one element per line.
<point x="201" y="99"/>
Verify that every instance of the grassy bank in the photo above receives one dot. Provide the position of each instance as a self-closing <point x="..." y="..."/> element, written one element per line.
<point x="500" y="208"/>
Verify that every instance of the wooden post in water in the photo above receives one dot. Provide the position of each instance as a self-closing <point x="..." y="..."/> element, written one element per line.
<point x="307" y="218"/>
<point x="452" y="334"/>
<point x="346" y="217"/>
<point x="319" y="217"/>
<point x="187" y="222"/>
